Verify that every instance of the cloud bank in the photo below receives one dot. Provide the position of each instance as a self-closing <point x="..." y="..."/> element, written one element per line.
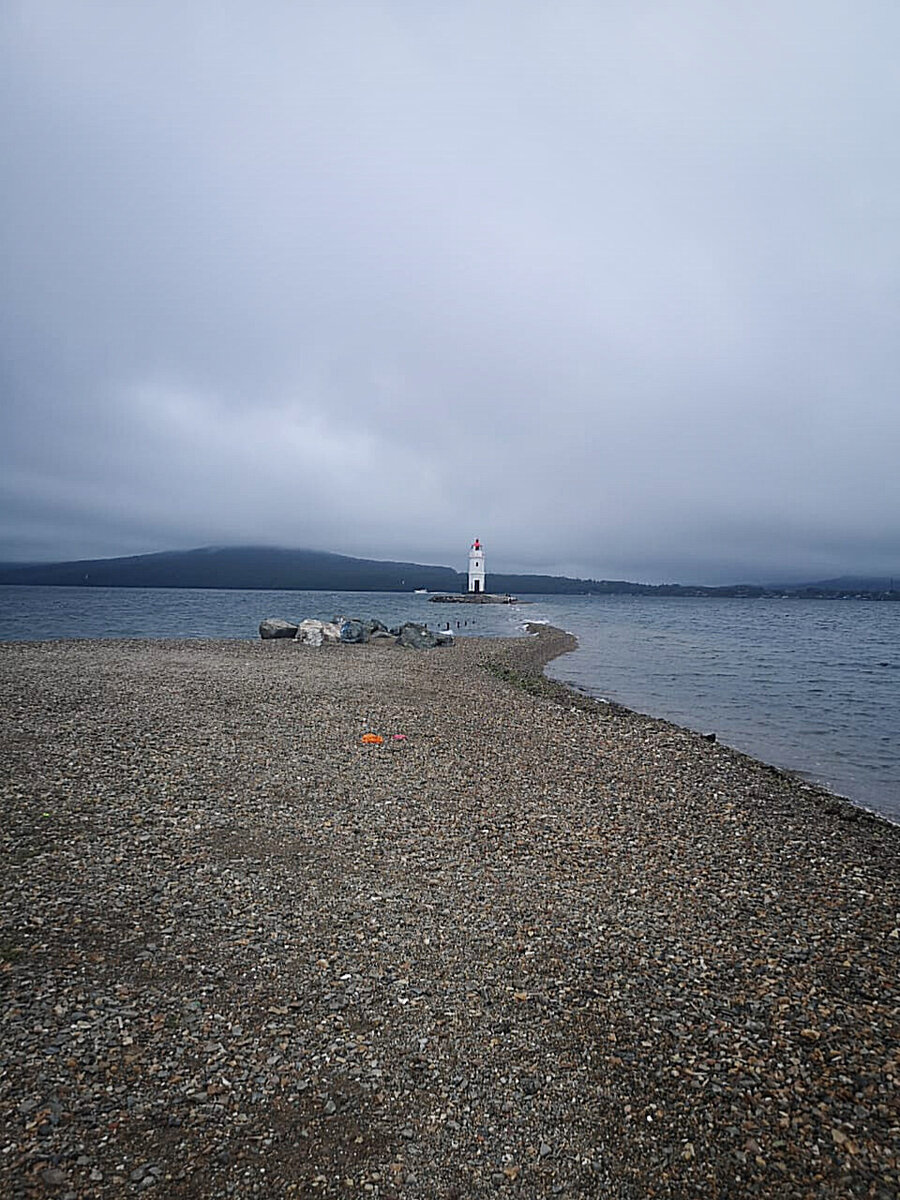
<point x="614" y="287"/>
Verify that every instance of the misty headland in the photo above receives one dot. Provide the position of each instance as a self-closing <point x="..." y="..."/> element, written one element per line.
<point x="265" y="568"/>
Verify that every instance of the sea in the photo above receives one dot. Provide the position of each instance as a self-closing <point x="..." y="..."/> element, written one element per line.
<point x="810" y="686"/>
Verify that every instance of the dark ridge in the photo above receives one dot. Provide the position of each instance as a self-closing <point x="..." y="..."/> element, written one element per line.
<point x="252" y="567"/>
<point x="266" y="568"/>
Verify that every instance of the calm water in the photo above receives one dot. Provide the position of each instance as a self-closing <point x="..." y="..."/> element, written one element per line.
<point x="809" y="685"/>
<point x="812" y="686"/>
<point x="34" y="613"/>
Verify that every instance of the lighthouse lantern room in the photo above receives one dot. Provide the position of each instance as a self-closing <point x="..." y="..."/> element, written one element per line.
<point x="476" y="567"/>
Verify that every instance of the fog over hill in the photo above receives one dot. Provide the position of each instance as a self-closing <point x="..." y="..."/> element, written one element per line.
<point x="853" y="583"/>
<point x="266" y="568"/>
<point x="253" y="567"/>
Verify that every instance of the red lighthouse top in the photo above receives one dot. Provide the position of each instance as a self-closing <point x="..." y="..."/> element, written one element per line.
<point x="476" y="545"/>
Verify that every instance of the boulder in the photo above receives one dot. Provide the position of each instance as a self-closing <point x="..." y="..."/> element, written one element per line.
<point x="354" y="631"/>
<point x="275" y="627"/>
<point x="417" y="637"/>
<point x="309" y="632"/>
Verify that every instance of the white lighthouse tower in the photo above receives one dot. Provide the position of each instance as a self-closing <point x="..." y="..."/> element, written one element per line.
<point x="476" y="567"/>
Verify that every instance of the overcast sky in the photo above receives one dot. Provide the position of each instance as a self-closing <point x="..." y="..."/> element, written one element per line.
<point x="612" y="285"/>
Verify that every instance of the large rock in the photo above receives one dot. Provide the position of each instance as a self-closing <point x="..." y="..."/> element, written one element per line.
<point x="311" y="632"/>
<point x="274" y="627"/>
<point x="417" y="637"/>
<point x="354" y="631"/>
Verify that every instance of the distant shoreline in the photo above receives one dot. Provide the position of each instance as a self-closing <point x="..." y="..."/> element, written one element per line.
<point x="262" y="568"/>
<point x="663" y="591"/>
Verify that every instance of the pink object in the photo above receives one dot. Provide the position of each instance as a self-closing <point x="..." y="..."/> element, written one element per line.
<point x="399" y="737"/>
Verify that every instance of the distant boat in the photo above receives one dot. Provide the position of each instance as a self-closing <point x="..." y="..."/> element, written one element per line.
<point x="421" y="592"/>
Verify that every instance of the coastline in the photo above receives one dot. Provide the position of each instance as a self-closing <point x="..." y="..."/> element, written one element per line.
<point x="541" y="944"/>
<point x="832" y="799"/>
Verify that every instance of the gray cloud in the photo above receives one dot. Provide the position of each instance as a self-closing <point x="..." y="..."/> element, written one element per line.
<point x="613" y="286"/>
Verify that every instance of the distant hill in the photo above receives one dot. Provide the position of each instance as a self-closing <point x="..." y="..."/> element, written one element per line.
<point x="259" y="567"/>
<point x="852" y="583"/>
<point x="254" y="567"/>
<point x="264" y="568"/>
<point x="544" y="585"/>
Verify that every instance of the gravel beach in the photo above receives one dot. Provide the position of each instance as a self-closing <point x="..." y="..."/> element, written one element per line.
<point x="537" y="946"/>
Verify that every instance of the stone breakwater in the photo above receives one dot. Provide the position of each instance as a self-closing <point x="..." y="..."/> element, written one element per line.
<point x="474" y="598"/>
<point x="351" y="630"/>
<point x="539" y="946"/>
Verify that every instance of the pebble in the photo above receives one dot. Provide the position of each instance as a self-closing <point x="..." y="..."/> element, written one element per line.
<point x="541" y="943"/>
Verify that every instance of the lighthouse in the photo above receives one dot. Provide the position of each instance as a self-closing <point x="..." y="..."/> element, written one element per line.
<point x="476" y="567"/>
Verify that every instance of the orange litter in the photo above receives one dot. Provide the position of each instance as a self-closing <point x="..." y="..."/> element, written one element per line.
<point x="373" y="739"/>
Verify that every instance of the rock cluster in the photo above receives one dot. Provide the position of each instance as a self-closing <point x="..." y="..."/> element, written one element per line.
<point x="311" y="632"/>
